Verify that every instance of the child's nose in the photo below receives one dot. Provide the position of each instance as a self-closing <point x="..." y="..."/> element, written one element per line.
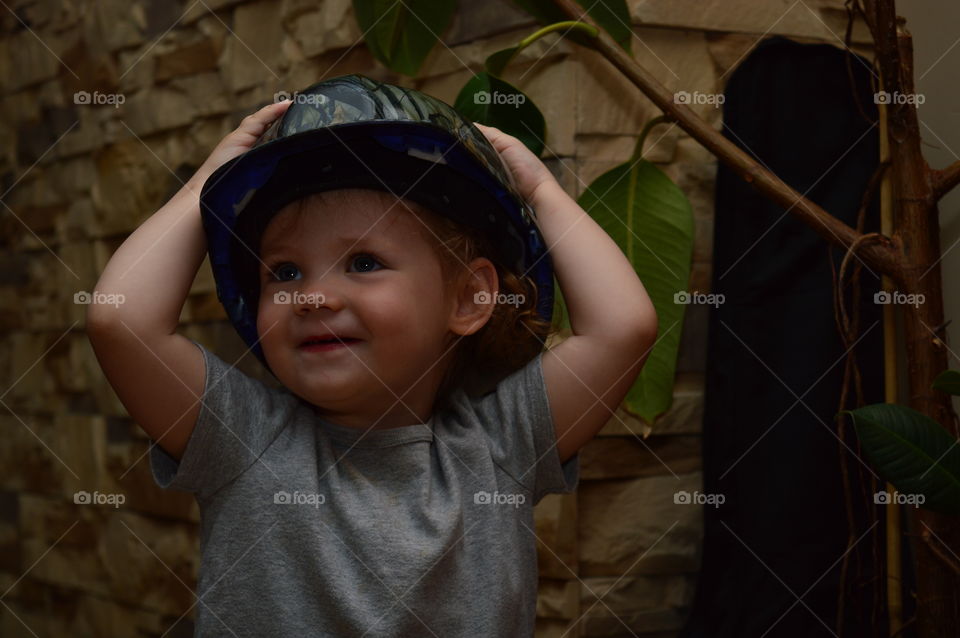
<point x="318" y="293"/>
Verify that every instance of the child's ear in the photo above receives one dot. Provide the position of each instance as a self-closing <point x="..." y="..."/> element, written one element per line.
<point x="475" y="292"/>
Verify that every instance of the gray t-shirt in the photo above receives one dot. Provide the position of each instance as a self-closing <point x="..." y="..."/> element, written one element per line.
<point x="309" y="528"/>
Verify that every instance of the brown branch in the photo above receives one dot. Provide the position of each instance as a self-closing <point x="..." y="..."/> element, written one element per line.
<point x="882" y="255"/>
<point x="944" y="180"/>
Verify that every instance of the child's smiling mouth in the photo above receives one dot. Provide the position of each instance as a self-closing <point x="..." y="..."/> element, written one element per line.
<point x="322" y="343"/>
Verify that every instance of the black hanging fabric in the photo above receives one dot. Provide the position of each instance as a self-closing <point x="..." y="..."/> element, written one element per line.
<point x="773" y="344"/>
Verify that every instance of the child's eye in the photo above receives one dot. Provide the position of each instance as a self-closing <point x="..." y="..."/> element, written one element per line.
<point x="365" y="262"/>
<point x="285" y="272"/>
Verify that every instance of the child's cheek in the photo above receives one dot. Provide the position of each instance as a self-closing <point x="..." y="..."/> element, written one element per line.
<point x="266" y="316"/>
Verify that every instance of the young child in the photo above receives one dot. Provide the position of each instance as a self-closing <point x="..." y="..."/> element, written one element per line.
<point x="372" y="495"/>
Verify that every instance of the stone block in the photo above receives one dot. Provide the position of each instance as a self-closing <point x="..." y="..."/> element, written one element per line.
<point x="72" y="176"/>
<point x="93" y="69"/>
<point x="553" y="628"/>
<point x="104" y="398"/>
<point x="544" y="81"/>
<point x="207" y="8"/>
<point x="660" y="146"/>
<point x="115" y="24"/>
<point x="207" y="92"/>
<point x="77" y="223"/>
<point x="483" y="20"/>
<point x="631" y="457"/>
<point x="130" y="185"/>
<point x="159" y="109"/>
<point x="728" y="51"/>
<point x="50" y="14"/>
<point x="28" y="385"/>
<point x="29" y="447"/>
<point x="635" y="527"/>
<point x="39" y="304"/>
<point x="333" y="26"/>
<point x="79" y="446"/>
<point x="111" y="551"/>
<point x="640" y="605"/>
<point x="331" y="64"/>
<point x="558" y="599"/>
<point x="67" y="364"/>
<point x="555" y="521"/>
<point x="823" y="19"/>
<point x="608" y="103"/>
<point x="254" y="54"/>
<point x="94" y="616"/>
<point x="17" y="619"/>
<point x="86" y="135"/>
<point x="135" y="70"/>
<point x="32" y="59"/>
<point x="192" y="57"/>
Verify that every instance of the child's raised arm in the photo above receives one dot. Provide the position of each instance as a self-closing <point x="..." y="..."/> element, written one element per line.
<point x="157" y="374"/>
<point x="613" y="320"/>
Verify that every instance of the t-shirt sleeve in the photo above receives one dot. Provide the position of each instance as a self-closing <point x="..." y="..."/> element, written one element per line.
<point x="239" y="418"/>
<point x="522" y="439"/>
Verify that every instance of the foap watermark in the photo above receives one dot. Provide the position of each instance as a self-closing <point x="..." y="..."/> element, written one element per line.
<point x="685" y="97"/>
<point x="512" y="99"/>
<point x="886" y="498"/>
<point x="898" y="298"/>
<point x="99" y="99"/>
<point x="684" y="298"/>
<point x="300" y="98"/>
<point x="883" y="97"/>
<point x="99" y="298"/>
<point x="84" y="497"/>
<point x="511" y="299"/>
<point x="299" y="498"/>
<point x="486" y="498"/>
<point x="315" y="299"/>
<point x="698" y="498"/>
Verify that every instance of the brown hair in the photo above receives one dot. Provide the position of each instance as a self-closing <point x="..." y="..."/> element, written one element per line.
<point x="510" y="338"/>
<point x="512" y="335"/>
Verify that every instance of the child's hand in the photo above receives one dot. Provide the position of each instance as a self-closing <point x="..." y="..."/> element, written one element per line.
<point x="242" y="138"/>
<point x="528" y="171"/>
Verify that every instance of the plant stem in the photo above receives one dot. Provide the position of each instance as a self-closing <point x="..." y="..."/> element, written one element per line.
<point x="638" y="149"/>
<point x="589" y="29"/>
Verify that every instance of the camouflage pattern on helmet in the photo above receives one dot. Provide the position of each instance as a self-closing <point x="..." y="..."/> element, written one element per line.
<point x="357" y="98"/>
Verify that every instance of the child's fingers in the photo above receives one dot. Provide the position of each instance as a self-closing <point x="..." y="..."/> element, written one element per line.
<point x="489" y="131"/>
<point x="257" y="122"/>
<point x="498" y="139"/>
<point x="493" y="135"/>
<point x="244" y="136"/>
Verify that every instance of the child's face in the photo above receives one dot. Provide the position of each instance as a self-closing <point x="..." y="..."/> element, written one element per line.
<point x="346" y="265"/>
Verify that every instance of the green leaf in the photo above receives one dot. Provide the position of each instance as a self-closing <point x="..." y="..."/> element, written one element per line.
<point x="494" y="102"/>
<point x="401" y="34"/>
<point x="651" y="221"/>
<point x="911" y="451"/>
<point x="948" y="381"/>
<point x="498" y="61"/>
<point x="613" y="16"/>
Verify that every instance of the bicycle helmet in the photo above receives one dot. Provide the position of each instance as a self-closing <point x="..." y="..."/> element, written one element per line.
<point x="354" y="132"/>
